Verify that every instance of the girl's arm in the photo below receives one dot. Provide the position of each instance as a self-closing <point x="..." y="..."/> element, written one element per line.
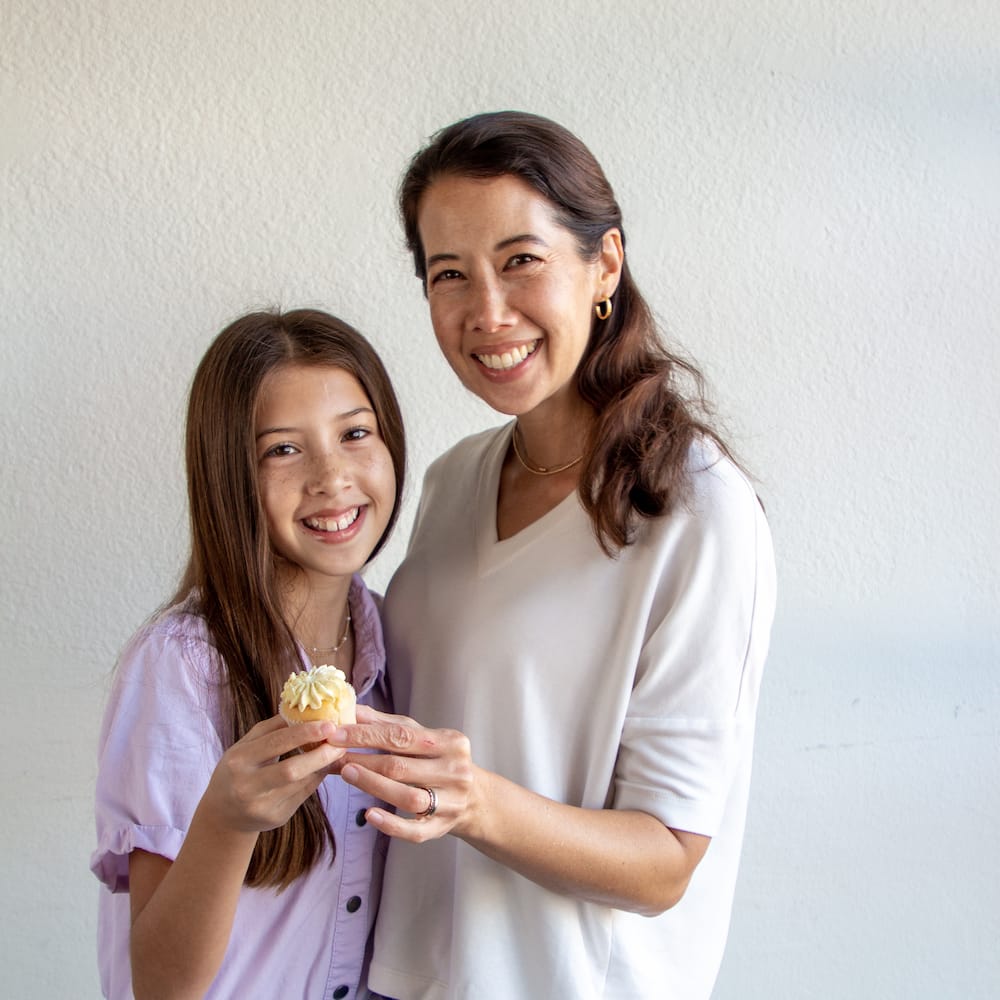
<point x="183" y="911"/>
<point x="621" y="858"/>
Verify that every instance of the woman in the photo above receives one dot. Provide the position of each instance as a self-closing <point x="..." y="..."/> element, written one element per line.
<point x="584" y="611"/>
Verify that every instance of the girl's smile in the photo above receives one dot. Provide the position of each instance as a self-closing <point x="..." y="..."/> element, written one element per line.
<point x="326" y="522"/>
<point x="335" y="528"/>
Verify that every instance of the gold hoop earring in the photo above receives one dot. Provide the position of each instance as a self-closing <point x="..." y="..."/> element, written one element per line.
<point x="603" y="308"/>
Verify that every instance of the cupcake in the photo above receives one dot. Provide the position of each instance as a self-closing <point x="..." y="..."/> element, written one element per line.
<point x="317" y="694"/>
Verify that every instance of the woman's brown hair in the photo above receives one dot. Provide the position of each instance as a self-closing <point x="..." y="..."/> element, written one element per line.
<point x="231" y="575"/>
<point x="637" y="462"/>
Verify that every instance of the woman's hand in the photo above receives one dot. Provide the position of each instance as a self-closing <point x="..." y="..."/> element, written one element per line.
<point x="255" y="787"/>
<point x="413" y="760"/>
<point x="619" y="858"/>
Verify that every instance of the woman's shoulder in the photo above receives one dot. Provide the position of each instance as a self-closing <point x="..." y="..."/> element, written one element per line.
<point x="715" y="477"/>
<point x="718" y="508"/>
<point x="468" y="451"/>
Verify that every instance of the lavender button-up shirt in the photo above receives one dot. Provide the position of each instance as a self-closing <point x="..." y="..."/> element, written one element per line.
<point x="162" y="735"/>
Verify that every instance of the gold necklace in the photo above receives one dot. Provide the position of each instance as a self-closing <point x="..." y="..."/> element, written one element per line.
<point x="540" y="470"/>
<point x="323" y="650"/>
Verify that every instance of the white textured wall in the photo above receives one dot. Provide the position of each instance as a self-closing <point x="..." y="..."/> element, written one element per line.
<point x="812" y="193"/>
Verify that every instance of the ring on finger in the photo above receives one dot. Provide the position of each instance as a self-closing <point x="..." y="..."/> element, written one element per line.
<point x="432" y="804"/>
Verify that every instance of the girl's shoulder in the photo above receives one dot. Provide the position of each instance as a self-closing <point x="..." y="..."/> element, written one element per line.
<point x="181" y="621"/>
<point x="177" y="634"/>
<point x="167" y="674"/>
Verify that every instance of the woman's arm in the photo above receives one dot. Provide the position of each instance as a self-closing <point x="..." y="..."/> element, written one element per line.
<point x="621" y="858"/>
<point x="183" y="911"/>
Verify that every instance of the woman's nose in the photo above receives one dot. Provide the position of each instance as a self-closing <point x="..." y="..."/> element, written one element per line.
<point x="489" y="310"/>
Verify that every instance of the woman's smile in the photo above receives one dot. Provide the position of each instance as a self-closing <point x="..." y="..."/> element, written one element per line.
<point x="505" y="360"/>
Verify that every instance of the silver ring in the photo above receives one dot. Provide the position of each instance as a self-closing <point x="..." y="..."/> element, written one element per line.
<point x="432" y="807"/>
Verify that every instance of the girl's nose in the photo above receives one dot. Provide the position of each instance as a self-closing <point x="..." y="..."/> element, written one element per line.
<point x="327" y="474"/>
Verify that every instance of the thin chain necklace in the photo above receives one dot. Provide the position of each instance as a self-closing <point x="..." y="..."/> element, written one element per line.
<point x="323" y="650"/>
<point x="540" y="470"/>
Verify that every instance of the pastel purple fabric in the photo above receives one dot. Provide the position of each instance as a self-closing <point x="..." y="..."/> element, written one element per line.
<point x="162" y="735"/>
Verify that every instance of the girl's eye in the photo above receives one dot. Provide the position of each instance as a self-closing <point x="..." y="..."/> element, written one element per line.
<point x="357" y="433"/>
<point x="280" y="450"/>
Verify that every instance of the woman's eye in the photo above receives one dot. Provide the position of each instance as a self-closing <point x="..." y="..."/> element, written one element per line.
<point x="448" y="275"/>
<point x="521" y="258"/>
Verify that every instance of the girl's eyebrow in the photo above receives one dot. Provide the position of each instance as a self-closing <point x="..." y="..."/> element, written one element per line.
<point x="502" y="245"/>
<point x="291" y="430"/>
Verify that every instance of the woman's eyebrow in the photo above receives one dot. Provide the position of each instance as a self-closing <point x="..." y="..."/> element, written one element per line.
<point x="521" y="238"/>
<point x="502" y="245"/>
<point x="438" y="257"/>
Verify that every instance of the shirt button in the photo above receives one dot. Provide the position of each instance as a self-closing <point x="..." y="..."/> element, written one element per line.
<point x="354" y="904"/>
<point x="340" y="992"/>
<point x="360" y="819"/>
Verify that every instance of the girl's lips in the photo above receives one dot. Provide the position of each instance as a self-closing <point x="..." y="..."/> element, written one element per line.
<point x="338" y="528"/>
<point x="332" y="522"/>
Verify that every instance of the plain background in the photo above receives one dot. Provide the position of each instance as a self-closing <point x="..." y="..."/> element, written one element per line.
<point x="812" y="203"/>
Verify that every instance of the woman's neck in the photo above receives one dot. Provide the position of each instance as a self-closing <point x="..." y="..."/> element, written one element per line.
<point x="554" y="433"/>
<point x="543" y="464"/>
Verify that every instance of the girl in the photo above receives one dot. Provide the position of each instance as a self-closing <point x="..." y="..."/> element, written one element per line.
<point x="232" y="864"/>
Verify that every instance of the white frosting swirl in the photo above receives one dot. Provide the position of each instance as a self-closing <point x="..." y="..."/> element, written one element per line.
<point x="312" y="688"/>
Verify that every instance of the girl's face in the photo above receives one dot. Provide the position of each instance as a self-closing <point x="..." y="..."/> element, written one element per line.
<point x="511" y="300"/>
<point x="325" y="474"/>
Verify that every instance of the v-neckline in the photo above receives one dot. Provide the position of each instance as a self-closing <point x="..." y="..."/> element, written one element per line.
<point x="492" y="550"/>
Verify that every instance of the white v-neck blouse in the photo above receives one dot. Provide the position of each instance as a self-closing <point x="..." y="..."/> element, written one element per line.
<point x="628" y="683"/>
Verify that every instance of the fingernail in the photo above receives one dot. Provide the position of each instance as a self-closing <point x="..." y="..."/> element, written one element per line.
<point x="339" y="736"/>
<point x="349" y="772"/>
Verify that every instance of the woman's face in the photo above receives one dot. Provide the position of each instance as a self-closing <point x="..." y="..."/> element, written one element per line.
<point x="511" y="300"/>
<point x="326" y="476"/>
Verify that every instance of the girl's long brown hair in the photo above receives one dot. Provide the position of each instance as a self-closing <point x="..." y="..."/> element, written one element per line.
<point x="231" y="573"/>
<point x="649" y="403"/>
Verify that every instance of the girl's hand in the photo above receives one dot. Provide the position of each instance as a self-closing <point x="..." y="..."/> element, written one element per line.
<point x="252" y="789"/>
<point x="413" y="759"/>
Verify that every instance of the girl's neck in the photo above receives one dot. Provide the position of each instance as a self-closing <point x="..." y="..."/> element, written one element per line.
<point x="318" y="614"/>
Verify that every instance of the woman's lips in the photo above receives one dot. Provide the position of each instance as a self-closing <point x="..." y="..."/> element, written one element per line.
<point x="506" y="360"/>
